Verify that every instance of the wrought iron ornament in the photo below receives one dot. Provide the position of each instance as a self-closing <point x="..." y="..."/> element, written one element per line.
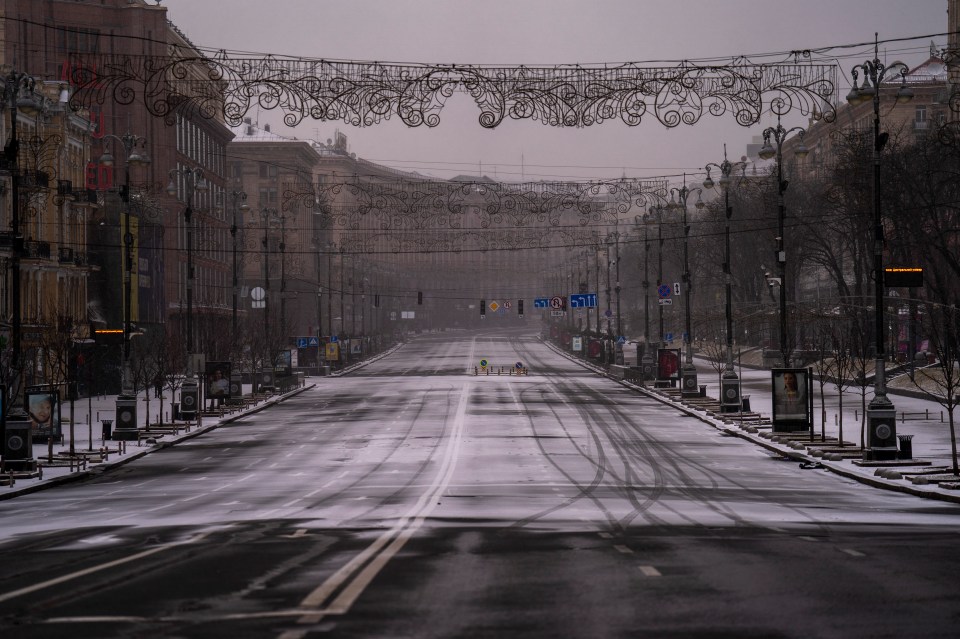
<point x="477" y="205"/>
<point x="367" y="93"/>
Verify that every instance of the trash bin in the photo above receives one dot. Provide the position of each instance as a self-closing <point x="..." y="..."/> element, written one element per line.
<point x="703" y="391"/>
<point x="107" y="428"/>
<point x="745" y="405"/>
<point x="906" y="446"/>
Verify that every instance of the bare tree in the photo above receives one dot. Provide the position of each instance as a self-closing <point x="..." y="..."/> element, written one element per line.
<point x="942" y="382"/>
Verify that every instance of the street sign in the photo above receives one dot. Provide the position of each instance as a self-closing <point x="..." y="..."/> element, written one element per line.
<point x="583" y="300"/>
<point x="668" y="337"/>
<point x="302" y="342"/>
<point x="508" y="304"/>
<point x="556" y="313"/>
<point x="541" y="302"/>
<point x="494" y="306"/>
<point x="666" y="302"/>
<point x="483" y="363"/>
<point x="334" y="338"/>
<point x="519" y="365"/>
<point x="556" y="302"/>
<point x="621" y="340"/>
<point x="676" y="288"/>
<point x="313" y="341"/>
<point x="608" y="313"/>
<point x="663" y="291"/>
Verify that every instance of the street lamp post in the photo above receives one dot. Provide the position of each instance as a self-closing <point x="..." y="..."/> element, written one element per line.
<point x="193" y="182"/>
<point x="126" y="403"/>
<point x="778" y="135"/>
<point x="618" y="347"/>
<point x="729" y="382"/>
<point x="18" y="89"/>
<point x="646" y="358"/>
<point x="237" y="197"/>
<point x="688" y="371"/>
<point x="881" y="413"/>
<point x="266" y="216"/>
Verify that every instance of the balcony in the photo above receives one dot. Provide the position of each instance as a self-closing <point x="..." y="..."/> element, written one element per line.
<point x="65" y="255"/>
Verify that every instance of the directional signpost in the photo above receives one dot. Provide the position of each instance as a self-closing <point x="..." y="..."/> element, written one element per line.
<point x="583" y="300"/>
<point x="541" y="302"/>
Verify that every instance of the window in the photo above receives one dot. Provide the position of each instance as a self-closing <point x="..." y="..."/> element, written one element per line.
<point x="920" y="117"/>
<point x="78" y="40"/>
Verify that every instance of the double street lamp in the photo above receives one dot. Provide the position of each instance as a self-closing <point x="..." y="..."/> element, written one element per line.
<point x="778" y="135"/>
<point x="134" y="148"/>
<point x="881" y="413"/>
<point x="688" y="372"/>
<point x="729" y="382"/>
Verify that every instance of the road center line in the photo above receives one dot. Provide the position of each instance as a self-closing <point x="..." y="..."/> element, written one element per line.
<point x="357" y="574"/>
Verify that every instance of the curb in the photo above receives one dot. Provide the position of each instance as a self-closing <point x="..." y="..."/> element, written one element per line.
<point x="869" y="480"/>
<point x="105" y="467"/>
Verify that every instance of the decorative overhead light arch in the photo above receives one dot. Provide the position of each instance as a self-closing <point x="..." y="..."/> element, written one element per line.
<point x="472" y="205"/>
<point x="368" y="93"/>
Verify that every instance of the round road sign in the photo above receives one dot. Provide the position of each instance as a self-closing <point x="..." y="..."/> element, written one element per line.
<point x="663" y="291"/>
<point x="556" y="302"/>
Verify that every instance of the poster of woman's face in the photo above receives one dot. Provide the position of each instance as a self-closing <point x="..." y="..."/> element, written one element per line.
<point x="43" y="409"/>
<point x="218" y="379"/>
<point x="790" y="401"/>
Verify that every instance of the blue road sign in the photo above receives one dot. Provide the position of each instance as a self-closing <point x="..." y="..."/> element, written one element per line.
<point x="541" y="302"/>
<point x="313" y="341"/>
<point x="583" y="300"/>
<point x="334" y="338"/>
<point x="668" y="337"/>
<point x="663" y="291"/>
<point x="621" y="340"/>
<point x="302" y="342"/>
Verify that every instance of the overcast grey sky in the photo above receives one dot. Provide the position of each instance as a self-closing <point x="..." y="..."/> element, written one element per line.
<point x="550" y="32"/>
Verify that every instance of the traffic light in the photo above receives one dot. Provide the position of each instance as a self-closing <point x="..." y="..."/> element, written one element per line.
<point x="420" y="297"/>
<point x="376" y="301"/>
<point x="520" y="308"/>
<point x="483" y="307"/>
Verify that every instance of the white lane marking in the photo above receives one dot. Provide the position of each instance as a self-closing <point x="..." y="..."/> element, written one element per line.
<point x="605" y="535"/>
<point x="361" y="570"/>
<point x="92" y="569"/>
<point x="623" y="549"/>
<point x="852" y="552"/>
<point x="650" y="571"/>
<point x="805" y="538"/>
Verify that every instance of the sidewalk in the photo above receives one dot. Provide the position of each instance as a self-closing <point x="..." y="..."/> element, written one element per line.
<point x="927" y="474"/>
<point x="92" y="454"/>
